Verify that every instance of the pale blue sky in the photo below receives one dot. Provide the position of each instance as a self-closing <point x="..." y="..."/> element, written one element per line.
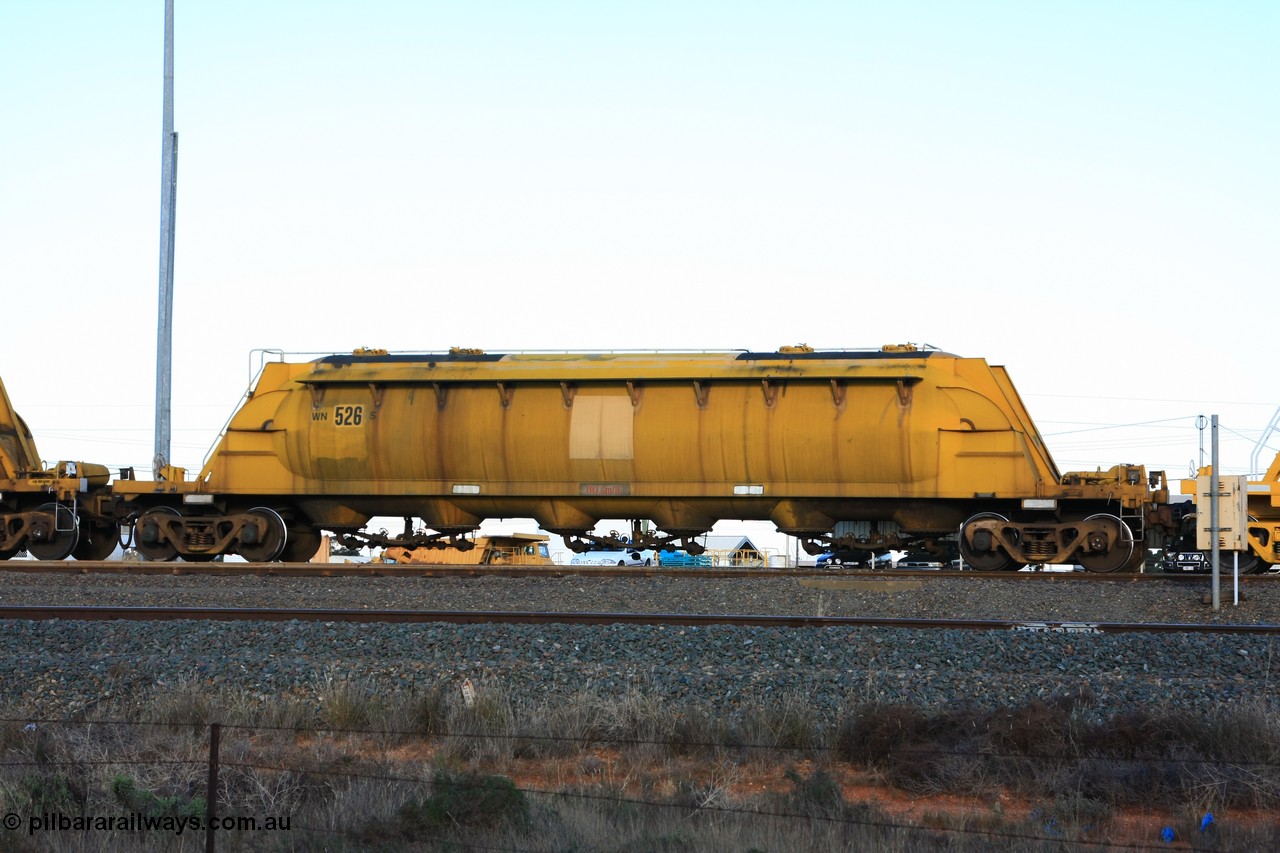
<point x="1084" y="192"/>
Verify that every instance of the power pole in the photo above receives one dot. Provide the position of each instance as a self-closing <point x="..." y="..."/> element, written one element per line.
<point x="168" y="201"/>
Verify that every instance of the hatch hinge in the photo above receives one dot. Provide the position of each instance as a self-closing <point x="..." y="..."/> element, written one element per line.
<point x="770" y="392"/>
<point x="702" y="391"/>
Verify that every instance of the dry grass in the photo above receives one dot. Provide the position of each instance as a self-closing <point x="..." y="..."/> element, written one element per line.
<point x="355" y="769"/>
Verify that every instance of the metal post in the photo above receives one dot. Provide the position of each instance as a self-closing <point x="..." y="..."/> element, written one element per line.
<point x="1235" y="578"/>
<point x="1213" y="517"/>
<point x="168" y="193"/>
<point x="211" y="792"/>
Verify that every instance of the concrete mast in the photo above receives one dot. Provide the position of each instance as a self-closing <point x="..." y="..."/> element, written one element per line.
<point x="168" y="200"/>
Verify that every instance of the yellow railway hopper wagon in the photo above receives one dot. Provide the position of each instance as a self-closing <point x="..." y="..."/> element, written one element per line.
<point x="890" y="448"/>
<point x="53" y="513"/>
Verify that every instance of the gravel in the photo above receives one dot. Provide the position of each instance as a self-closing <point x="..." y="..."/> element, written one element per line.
<point x="976" y="597"/>
<point x="56" y="668"/>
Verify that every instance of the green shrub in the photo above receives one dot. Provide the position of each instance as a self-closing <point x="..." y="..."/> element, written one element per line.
<point x="816" y="795"/>
<point x="38" y="793"/>
<point x="464" y="801"/>
<point x="127" y="793"/>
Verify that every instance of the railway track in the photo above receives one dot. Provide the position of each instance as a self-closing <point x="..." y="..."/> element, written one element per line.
<point x="419" y="571"/>
<point x="530" y="617"/>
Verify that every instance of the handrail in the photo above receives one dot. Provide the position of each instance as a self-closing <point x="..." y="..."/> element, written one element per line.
<point x="261" y="354"/>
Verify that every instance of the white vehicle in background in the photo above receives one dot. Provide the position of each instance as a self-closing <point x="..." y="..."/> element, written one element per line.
<point x="920" y="561"/>
<point x="623" y="557"/>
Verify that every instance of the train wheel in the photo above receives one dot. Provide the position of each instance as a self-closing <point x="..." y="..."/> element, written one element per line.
<point x="985" y="560"/>
<point x="1249" y="563"/>
<point x="55" y="542"/>
<point x="1112" y="550"/>
<point x="270" y="543"/>
<point x="302" y="545"/>
<point x="97" y="541"/>
<point x="146" y="535"/>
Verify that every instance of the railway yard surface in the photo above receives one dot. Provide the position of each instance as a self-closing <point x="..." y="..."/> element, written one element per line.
<point x="57" y="668"/>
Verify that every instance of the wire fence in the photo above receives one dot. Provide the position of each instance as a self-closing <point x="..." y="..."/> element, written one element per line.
<point x="225" y="782"/>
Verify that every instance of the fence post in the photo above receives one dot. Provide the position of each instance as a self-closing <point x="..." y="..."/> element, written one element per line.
<point x="211" y="794"/>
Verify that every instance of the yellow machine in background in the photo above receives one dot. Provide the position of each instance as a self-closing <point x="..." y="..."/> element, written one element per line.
<point x="1262" y="527"/>
<point x="891" y="448"/>
<point x="516" y="549"/>
<point x="54" y="512"/>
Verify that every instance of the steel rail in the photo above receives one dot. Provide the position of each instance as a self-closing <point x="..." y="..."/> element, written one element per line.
<point x="396" y="570"/>
<point x="532" y="617"/>
<point x="442" y="570"/>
